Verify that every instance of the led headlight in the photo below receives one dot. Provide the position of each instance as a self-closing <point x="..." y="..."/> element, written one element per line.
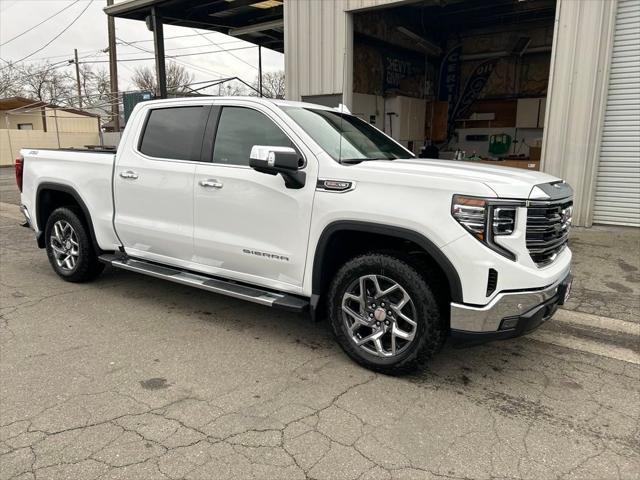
<point x="486" y="218"/>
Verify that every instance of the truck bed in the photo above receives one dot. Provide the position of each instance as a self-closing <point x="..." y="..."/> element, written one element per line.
<point x="84" y="174"/>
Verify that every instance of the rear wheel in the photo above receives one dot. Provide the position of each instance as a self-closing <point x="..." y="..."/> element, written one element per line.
<point x="69" y="247"/>
<point x="384" y="314"/>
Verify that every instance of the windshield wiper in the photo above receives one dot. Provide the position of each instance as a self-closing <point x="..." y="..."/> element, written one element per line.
<point x="354" y="161"/>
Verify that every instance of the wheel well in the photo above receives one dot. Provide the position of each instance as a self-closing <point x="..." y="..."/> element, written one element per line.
<point x="338" y="245"/>
<point x="51" y="198"/>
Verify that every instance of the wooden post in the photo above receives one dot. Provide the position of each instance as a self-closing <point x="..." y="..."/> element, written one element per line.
<point x="113" y="71"/>
<point x="75" y="54"/>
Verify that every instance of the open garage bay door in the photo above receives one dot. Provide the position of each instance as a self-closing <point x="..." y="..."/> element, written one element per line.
<point x="617" y="199"/>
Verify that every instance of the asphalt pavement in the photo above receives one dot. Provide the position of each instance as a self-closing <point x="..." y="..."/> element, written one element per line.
<point x="130" y="377"/>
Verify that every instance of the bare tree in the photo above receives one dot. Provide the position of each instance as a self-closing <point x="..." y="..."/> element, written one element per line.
<point x="10" y="84"/>
<point x="272" y="84"/>
<point x="232" y="88"/>
<point x="96" y="90"/>
<point x="178" y="79"/>
<point x="46" y="83"/>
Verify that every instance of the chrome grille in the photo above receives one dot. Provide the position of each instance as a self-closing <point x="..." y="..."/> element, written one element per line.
<point x="548" y="225"/>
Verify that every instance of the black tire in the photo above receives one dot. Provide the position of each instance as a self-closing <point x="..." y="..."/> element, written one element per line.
<point x="429" y="330"/>
<point x="86" y="267"/>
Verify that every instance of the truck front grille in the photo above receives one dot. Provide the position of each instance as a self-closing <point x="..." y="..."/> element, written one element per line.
<point x="548" y="225"/>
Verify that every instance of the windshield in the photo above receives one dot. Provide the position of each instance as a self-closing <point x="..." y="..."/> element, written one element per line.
<point x="346" y="137"/>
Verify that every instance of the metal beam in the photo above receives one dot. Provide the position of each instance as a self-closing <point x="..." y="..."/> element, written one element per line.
<point x="158" y="47"/>
<point x="217" y="6"/>
<point x="258" y="27"/>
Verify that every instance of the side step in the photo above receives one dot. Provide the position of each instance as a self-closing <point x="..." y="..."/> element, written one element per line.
<point x="285" y="301"/>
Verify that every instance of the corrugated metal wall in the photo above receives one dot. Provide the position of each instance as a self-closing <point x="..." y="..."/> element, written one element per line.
<point x="577" y="96"/>
<point x="314" y="45"/>
<point x="617" y="199"/>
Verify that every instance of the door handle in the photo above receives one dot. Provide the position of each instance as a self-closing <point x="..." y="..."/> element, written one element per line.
<point x="129" y="174"/>
<point x="210" y="183"/>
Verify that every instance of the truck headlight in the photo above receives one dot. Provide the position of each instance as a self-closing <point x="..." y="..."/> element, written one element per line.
<point x="486" y="218"/>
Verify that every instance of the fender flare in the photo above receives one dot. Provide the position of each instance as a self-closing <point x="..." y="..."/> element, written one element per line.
<point x="61" y="187"/>
<point x="453" y="279"/>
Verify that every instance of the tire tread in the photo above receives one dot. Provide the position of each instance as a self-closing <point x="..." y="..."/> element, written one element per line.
<point x="431" y="339"/>
<point x="88" y="266"/>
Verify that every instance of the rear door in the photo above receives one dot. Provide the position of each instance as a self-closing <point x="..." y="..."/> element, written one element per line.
<point x="248" y="225"/>
<point x="153" y="184"/>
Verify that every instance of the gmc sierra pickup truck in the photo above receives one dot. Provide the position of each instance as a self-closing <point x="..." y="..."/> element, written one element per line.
<point x="309" y="208"/>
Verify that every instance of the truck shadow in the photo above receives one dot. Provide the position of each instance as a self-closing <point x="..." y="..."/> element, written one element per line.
<point x="454" y="367"/>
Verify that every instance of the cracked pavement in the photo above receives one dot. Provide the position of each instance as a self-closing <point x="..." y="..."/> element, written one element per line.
<point x="131" y="377"/>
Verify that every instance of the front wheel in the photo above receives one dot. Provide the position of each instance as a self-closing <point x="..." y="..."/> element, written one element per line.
<point x="384" y="314"/>
<point x="69" y="247"/>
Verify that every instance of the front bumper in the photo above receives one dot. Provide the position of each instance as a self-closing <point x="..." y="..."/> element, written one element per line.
<point x="509" y="315"/>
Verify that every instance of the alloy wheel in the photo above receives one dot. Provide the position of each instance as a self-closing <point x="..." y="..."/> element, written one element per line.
<point x="379" y="315"/>
<point x="65" y="246"/>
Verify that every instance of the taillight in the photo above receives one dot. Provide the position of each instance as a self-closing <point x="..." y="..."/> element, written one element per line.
<point x="19" y="171"/>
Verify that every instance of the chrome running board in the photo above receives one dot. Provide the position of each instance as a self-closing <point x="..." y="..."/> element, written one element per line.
<point x="211" y="284"/>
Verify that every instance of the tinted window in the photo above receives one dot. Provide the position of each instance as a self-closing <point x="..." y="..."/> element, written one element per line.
<point x="174" y="133"/>
<point x="240" y="129"/>
<point x="346" y="136"/>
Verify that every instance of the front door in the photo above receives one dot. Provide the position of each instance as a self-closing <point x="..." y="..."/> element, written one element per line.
<point x="248" y="225"/>
<point x="153" y="185"/>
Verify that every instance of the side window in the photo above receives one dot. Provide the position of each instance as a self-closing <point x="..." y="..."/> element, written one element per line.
<point x="241" y="128"/>
<point x="174" y="133"/>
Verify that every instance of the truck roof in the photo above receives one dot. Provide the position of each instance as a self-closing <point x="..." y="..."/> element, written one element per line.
<point x="258" y="100"/>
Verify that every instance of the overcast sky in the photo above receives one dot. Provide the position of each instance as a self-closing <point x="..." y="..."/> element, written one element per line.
<point x="89" y="35"/>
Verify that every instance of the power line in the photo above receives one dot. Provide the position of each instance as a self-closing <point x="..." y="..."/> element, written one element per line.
<point x="182" y="62"/>
<point x="140" y="41"/>
<point x="215" y="44"/>
<point x="183" y="36"/>
<point x="58" y="35"/>
<point x="192" y="46"/>
<point x="104" y="51"/>
<point x="82" y="52"/>
<point x="36" y="26"/>
<point x="173" y="56"/>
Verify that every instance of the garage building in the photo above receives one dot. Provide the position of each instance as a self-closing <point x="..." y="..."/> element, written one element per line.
<point x="540" y="84"/>
<point x="551" y="85"/>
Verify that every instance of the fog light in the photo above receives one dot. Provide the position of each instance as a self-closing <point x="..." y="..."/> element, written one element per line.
<point x="509" y="323"/>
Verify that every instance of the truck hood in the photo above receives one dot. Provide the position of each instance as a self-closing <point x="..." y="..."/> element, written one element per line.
<point x="504" y="181"/>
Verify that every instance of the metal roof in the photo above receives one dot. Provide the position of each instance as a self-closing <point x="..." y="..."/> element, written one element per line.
<point x="257" y="21"/>
<point x="21" y="103"/>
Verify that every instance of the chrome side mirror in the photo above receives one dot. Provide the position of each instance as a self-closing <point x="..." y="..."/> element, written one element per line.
<point x="275" y="157"/>
<point x="274" y="160"/>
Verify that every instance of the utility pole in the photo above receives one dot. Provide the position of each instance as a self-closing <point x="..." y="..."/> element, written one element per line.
<point x="75" y="54"/>
<point x="113" y="70"/>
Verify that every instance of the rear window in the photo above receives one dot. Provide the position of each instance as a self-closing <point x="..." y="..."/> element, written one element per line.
<point x="174" y="133"/>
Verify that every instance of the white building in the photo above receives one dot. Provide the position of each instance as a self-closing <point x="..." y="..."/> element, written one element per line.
<point x="26" y="123"/>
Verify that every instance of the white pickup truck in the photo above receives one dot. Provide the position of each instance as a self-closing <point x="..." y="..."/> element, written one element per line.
<point x="306" y="207"/>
